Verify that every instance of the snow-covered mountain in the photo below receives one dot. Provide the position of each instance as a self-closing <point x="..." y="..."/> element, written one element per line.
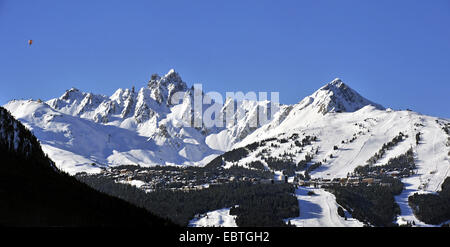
<point x="140" y="127"/>
<point x="84" y="131"/>
<point x="143" y="127"/>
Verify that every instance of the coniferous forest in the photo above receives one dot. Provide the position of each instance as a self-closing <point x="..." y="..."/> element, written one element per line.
<point x="373" y="205"/>
<point x="432" y="208"/>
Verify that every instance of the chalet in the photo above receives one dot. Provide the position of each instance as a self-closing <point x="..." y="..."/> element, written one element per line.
<point x="368" y="180"/>
<point x="394" y="173"/>
<point x="353" y="180"/>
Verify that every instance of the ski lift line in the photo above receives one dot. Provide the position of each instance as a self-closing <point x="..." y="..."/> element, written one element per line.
<point x="436" y="163"/>
<point x="416" y="155"/>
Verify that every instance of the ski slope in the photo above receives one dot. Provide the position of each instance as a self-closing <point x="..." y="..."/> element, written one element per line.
<point x="216" y="218"/>
<point x="320" y="210"/>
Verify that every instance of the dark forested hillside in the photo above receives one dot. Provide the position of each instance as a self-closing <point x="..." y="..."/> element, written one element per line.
<point x="34" y="193"/>
<point x="259" y="204"/>
<point x="370" y="204"/>
<point x="432" y="208"/>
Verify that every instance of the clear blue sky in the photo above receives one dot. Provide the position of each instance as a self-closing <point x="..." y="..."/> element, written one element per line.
<point x="396" y="53"/>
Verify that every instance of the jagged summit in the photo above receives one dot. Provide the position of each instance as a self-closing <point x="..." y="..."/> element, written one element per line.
<point x="336" y="82"/>
<point x="162" y="88"/>
<point x="69" y="93"/>
<point x="173" y="74"/>
<point x="172" y="77"/>
<point x="336" y="96"/>
<point x="142" y="104"/>
<point x="73" y="89"/>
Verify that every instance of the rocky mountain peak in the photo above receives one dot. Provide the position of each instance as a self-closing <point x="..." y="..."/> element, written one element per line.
<point x="336" y="96"/>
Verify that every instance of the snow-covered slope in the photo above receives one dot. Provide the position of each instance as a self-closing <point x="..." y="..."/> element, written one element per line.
<point x="320" y="210"/>
<point x="216" y="218"/>
<point x="75" y="143"/>
<point x="359" y="135"/>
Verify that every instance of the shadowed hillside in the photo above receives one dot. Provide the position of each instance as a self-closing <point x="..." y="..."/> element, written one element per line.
<point x="34" y="193"/>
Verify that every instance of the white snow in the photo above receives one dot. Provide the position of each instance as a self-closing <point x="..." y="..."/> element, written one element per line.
<point x="216" y="218"/>
<point x="320" y="210"/>
<point x="136" y="183"/>
<point x="70" y="162"/>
